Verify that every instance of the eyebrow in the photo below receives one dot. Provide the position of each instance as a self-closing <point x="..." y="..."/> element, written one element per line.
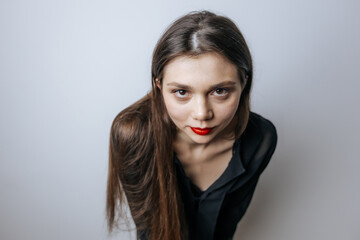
<point x="183" y="86"/>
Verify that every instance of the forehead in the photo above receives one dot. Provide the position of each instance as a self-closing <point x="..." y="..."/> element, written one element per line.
<point x="208" y="68"/>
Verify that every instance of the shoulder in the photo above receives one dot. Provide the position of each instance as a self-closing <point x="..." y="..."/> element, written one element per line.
<point x="138" y="111"/>
<point x="258" y="141"/>
<point x="132" y="125"/>
<point x="135" y="116"/>
<point x="261" y="127"/>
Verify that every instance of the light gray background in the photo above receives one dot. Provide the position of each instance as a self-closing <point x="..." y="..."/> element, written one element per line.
<point x="68" y="67"/>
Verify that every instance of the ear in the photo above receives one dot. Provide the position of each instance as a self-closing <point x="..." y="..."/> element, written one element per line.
<point x="245" y="81"/>
<point x="157" y="81"/>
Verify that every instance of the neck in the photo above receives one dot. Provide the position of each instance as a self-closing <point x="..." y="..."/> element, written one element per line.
<point x="190" y="152"/>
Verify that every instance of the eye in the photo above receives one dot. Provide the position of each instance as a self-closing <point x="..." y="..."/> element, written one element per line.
<point x="220" y="92"/>
<point x="181" y="93"/>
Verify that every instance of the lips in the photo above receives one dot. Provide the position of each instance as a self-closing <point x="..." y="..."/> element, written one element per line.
<point x="201" y="131"/>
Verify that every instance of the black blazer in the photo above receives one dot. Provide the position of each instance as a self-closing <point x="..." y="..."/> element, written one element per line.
<point x="215" y="212"/>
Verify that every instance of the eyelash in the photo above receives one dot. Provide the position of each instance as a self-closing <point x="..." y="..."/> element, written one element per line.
<point x="226" y="90"/>
<point x="177" y="91"/>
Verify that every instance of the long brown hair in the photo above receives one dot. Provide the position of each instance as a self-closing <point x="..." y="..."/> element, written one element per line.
<point x="141" y="153"/>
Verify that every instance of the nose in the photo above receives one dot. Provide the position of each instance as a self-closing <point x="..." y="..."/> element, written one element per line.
<point x="202" y="109"/>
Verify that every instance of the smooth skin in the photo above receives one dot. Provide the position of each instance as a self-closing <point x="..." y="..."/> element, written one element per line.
<point x="202" y="92"/>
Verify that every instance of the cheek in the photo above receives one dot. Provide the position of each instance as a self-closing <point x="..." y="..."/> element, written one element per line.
<point x="177" y="113"/>
<point x="228" y="111"/>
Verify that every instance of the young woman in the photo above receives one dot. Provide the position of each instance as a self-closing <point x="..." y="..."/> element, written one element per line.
<point x="188" y="155"/>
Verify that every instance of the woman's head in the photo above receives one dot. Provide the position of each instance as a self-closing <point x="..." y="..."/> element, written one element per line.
<point x="204" y="33"/>
<point x="201" y="94"/>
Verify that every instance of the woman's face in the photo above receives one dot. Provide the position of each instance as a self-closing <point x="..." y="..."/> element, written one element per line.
<point x="201" y="95"/>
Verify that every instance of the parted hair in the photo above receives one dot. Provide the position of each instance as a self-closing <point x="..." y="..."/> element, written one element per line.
<point x="141" y="167"/>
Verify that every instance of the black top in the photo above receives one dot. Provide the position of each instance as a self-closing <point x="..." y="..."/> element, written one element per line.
<point x="215" y="212"/>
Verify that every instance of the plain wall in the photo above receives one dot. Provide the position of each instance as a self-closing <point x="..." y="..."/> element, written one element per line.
<point x="68" y="67"/>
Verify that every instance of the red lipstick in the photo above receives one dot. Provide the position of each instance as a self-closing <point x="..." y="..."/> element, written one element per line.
<point x="201" y="131"/>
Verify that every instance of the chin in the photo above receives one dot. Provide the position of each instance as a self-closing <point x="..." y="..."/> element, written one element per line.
<point x="201" y="139"/>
